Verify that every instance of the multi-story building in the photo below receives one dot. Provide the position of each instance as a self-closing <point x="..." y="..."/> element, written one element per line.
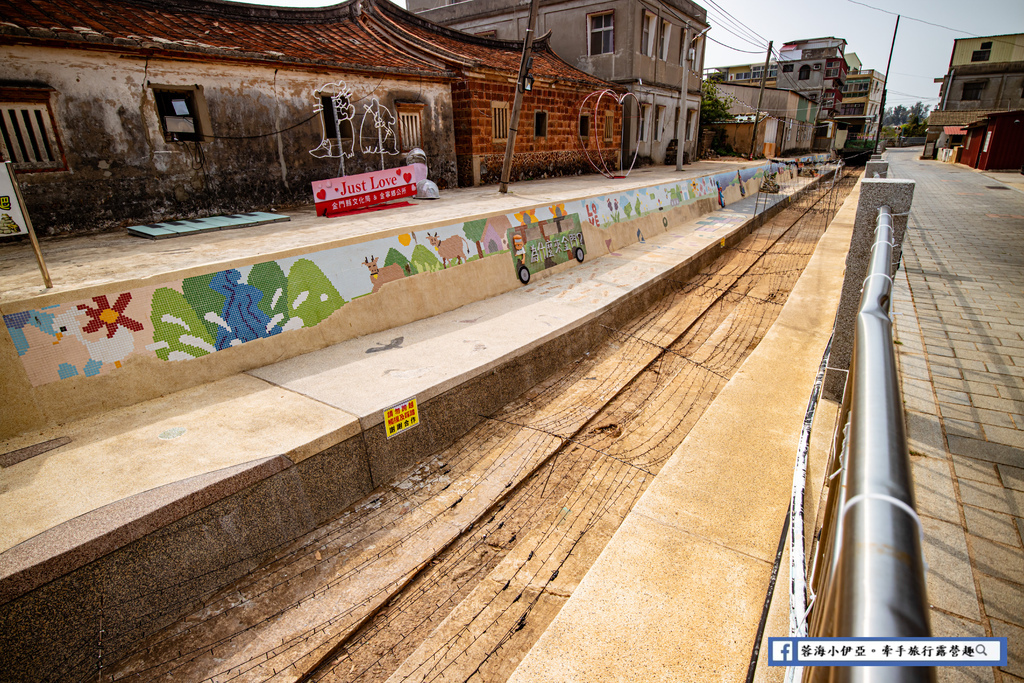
<point x="860" y="110"/>
<point x="985" y="75"/>
<point x="815" y="68"/>
<point x="649" y="47"/>
<point x="744" y="74"/>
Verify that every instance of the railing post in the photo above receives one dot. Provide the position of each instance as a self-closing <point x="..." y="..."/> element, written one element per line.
<point x="874" y="192"/>
<point x="876" y="169"/>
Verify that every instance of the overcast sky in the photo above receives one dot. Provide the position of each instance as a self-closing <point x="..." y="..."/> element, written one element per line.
<point x="922" y="50"/>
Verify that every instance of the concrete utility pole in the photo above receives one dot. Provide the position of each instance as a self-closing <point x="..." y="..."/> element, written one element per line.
<point x="681" y="119"/>
<point x="684" y="94"/>
<point x="881" y="107"/>
<point x="513" y="125"/>
<point x="760" y="99"/>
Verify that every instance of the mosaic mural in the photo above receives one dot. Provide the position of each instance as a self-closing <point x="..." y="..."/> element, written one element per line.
<point x="196" y="316"/>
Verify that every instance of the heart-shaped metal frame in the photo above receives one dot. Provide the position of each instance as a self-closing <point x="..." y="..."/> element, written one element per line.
<point x="598" y="96"/>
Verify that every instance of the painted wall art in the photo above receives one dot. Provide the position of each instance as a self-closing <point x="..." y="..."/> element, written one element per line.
<point x="182" y="320"/>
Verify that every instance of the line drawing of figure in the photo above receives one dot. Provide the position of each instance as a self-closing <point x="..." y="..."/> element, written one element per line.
<point x="334" y="104"/>
<point x="383" y="122"/>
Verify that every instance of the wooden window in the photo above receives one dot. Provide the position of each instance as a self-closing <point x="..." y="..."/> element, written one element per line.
<point x="410" y="124"/>
<point x="28" y="130"/>
<point x="664" y="37"/>
<point x="602" y="33"/>
<point x="645" y="110"/>
<point x="659" y="118"/>
<point x="609" y="127"/>
<point x="647" y="35"/>
<point x="540" y="124"/>
<point x="183" y="114"/>
<point x="499" y="120"/>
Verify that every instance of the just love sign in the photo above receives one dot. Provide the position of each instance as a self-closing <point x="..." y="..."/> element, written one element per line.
<point x="349" y="193"/>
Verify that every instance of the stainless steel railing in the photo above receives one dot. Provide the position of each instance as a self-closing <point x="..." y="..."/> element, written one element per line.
<point x="868" y="572"/>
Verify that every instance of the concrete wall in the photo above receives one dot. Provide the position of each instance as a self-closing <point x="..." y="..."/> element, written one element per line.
<point x="184" y="331"/>
<point x="120" y="170"/>
<point x="1003" y="87"/>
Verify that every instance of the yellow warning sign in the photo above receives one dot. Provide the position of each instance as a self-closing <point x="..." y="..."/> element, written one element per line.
<point x="400" y="417"/>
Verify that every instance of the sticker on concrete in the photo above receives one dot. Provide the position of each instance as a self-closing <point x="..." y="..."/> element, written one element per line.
<point x="401" y="417"/>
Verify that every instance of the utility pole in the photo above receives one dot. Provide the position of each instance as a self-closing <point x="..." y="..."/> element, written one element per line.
<point x="681" y="119"/>
<point x="513" y="126"/>
<point x="881" y="107"/>
<point x="760" y="99"/>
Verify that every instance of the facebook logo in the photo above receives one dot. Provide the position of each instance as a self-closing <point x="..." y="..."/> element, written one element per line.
<point x="782" y="651"/>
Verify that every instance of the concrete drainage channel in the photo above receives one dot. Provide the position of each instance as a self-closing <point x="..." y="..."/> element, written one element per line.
<point x="454" y="569"/>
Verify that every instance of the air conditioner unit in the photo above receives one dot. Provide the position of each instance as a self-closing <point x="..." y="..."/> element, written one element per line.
<point x="817" y="67"/>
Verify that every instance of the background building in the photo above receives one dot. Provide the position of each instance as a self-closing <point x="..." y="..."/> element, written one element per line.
<point x="985" y="75"/>
<point x="860" y="111"/>
<point x="815" y="68"/>
<point x="787" y="120"/>
<point x="639" y="45"/>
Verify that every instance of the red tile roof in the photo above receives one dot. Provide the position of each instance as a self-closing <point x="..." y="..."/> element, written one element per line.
<point x="358" y="35"/>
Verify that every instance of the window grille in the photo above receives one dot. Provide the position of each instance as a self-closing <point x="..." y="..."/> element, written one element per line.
<point x="409" y="123"/>
<point x="28" y="136"/>
<point x="499" y="120"/>
<point x="609" y="127"/>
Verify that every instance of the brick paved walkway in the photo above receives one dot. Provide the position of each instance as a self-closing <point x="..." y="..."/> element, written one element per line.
<point x="959" y="324"/>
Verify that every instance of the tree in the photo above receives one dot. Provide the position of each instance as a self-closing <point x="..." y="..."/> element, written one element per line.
<point x="920" y="111"/>
<point x="713" y="107"/>
<point x="896" y="116"/>
<point x="475" y="232"/>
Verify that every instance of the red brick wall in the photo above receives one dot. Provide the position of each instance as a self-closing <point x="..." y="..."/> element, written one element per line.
<point x="559" y="153"/>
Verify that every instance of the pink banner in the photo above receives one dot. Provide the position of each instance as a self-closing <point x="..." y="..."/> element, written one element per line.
<point x="367" y="188"/>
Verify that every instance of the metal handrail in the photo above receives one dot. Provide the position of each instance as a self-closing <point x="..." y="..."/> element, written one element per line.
<point x="869" y="568"/>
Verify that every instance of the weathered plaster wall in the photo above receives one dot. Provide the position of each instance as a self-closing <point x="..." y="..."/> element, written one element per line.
<point x="120" y="170"/>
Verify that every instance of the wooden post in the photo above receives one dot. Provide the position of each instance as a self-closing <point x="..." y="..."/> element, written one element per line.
<point x="9" y="170"/>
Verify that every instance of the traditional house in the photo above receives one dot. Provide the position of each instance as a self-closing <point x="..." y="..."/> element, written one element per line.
<point x="124" y="111"/>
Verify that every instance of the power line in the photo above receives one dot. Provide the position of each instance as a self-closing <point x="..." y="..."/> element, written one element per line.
<point x="922" y="21"/>
<point x="750" y="52"/>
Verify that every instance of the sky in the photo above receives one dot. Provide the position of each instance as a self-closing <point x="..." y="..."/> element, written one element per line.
<point x="921" y="53"/>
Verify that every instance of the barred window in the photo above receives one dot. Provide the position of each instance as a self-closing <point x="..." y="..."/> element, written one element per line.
<point x="28" y="131"/>
<point x="410" y="124"/>
<point x="499" y="120"/>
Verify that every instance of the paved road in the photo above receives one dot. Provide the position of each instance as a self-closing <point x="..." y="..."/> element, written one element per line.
<point x="960" y="322"/>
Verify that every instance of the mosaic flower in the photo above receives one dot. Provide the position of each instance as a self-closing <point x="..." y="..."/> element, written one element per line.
<point x="110" y="316"/>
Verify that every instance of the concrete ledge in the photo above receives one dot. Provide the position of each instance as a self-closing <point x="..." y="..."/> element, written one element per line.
<point x="678" y="591"/>
<point x="139" y="562"/>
